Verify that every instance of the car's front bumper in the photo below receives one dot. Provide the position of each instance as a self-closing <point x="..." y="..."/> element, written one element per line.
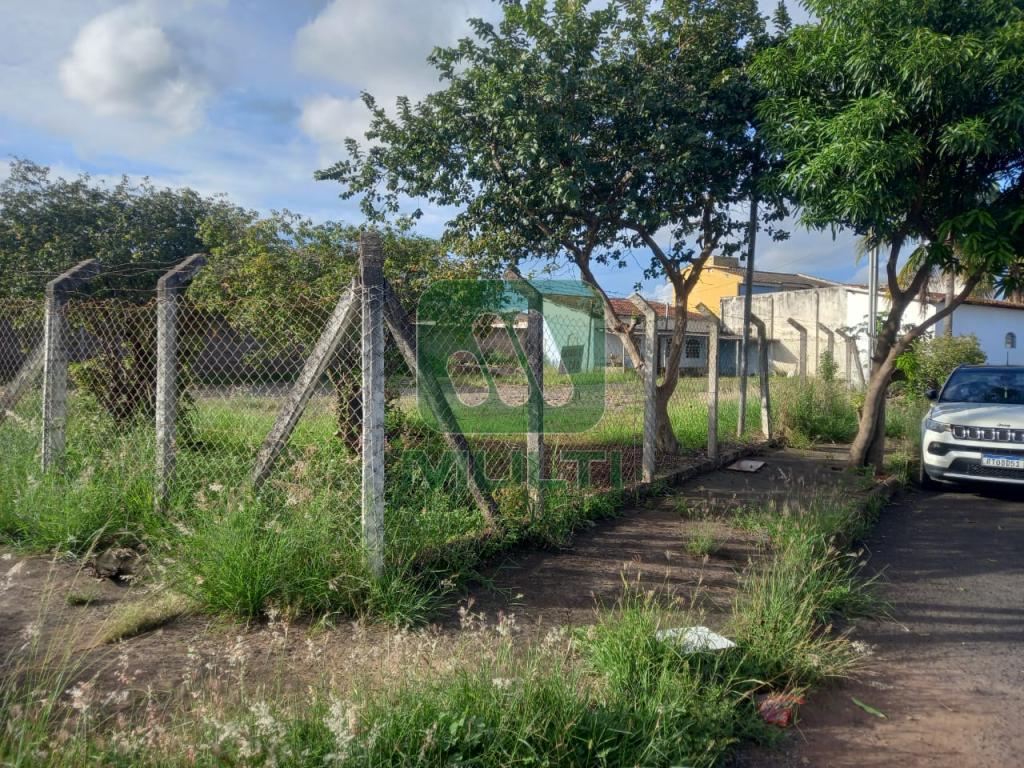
<point x="947" y="458"/>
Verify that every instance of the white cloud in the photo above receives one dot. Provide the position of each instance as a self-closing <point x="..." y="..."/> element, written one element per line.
<point x="123" y="63"/>
<point x="382" y="46"/>
<point x="328" y="121"/>
<point x="379" y="47"/>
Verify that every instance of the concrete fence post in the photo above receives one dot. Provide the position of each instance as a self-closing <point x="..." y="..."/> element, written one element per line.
<point x="762" y="364"/>
<point x="854" y="367"/>
<point x="650" y="383"/>
<point x="342" y="318"/>
<point x="432" y="396"/>
<point x="830" y="344"/>
<point x="802" y="364"/>
<point x="55" y="358"/>
<point x="371" y="272"/>
<point x="714" y="331"/>
<point x="533" y="351"/>
<point x="22" y="382"/>
<point x="168" y="290"/>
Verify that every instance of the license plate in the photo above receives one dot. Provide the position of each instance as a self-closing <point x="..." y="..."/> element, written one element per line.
<point x="1002" y="462"/>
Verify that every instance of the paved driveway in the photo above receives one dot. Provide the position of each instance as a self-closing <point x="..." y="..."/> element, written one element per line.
<point x="948" y="668"/>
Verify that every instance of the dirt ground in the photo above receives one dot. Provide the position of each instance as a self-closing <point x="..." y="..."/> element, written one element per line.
<point x="528" y="592"/>
<point x="948" y="667"/>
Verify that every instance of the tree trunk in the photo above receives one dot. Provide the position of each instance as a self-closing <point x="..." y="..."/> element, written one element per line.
<point x="665" y="436"/>
<point x="665" y="440"/>
<point x="868" y="447"/>
<point x="612" y="322"/>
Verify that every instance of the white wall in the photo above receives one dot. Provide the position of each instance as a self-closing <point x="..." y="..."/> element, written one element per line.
<point x="990" y="325"/>
<point x="857" y="317"/>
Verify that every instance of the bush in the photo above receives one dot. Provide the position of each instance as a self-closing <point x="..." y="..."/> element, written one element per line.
<point x="816" y="411"/>
<point x="828" y="367"/>
<point x="928" y="362"/>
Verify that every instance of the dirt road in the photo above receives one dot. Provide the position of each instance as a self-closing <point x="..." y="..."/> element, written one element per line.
<point x="948" y="669"/>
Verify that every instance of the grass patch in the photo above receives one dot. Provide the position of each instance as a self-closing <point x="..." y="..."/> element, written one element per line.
<point x="141" y="616"/>
<point x="296" y="544"/>
<point x="702" y="542"/>
<point x="814" y="411"/>
<point x="609" y="695"/>
<point x="83" y="596"/>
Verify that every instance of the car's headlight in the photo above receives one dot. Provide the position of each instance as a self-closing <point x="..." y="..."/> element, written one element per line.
<point x="935" y="426"/>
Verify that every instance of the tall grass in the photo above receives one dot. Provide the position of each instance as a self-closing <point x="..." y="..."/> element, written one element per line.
<point x="613" y="695"/>
<point x="102" y="493"/>
<point x="813" y="411"/>
<point x="296" y="543"/>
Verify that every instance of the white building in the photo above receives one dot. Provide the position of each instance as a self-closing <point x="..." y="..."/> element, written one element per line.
<point x="999" y="326"/>
<point x="836" y="318"/>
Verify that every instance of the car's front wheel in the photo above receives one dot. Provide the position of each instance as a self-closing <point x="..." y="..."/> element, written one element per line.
<point x="924" y="480"/>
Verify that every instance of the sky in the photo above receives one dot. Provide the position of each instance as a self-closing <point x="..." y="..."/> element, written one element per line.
<point x="250" y="97"/>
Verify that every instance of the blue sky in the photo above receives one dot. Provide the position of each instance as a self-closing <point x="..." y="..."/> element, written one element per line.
<point x="248" y="98"/>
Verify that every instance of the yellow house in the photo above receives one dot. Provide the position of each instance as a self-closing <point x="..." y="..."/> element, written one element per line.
<point x="724" y="276"/>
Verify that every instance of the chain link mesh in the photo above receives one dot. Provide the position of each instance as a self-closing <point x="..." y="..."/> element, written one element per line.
<point x="21" y="339"/>
<point x="238" y="365"/>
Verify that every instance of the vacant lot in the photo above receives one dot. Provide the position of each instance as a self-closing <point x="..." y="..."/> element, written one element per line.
<point x="548" y="654"/>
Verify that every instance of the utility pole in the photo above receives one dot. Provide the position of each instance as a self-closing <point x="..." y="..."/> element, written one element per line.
<point x="872" y="301"/>
<point x="950" y="293"/>
<point x="741" y="424"/>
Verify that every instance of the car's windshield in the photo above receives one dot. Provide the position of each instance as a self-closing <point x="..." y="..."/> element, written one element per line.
<point x="985" y="385"/>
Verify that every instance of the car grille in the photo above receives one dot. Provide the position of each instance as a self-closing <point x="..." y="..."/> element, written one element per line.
<point x="936" y="448"/>
<point x="990" y="434"/>
<point x="974" y="468"/>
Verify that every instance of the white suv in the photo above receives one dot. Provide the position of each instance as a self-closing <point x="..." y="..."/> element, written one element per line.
<point x="975" y="429"/>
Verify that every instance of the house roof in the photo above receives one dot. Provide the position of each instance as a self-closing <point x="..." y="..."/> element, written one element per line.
<point x="788" y="279"/>
<point x="626" y="308"/>
<point x="997" y="303"/>
<point x="979" y="301"/>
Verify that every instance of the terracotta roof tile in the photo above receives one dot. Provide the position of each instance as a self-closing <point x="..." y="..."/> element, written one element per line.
<point x="626" y="308"/>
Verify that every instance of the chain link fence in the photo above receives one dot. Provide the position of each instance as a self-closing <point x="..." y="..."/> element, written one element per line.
<point x="495" y="426"/>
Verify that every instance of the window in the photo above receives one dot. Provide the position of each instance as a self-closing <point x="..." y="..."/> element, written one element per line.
<point x="985" y="385"/>
<point x="692" y="349"/>
<point x="742" y="289"/>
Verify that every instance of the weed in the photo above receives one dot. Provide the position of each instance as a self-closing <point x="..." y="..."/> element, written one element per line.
<point x="814" y="411"/>
<point x="83" y="596"/>
<point x="702" y="542"/>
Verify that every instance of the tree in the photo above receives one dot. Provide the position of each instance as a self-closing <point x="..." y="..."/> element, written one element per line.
<point x="566" y="132"/>
<point x="277" y="278"/>
<point x="928" y="362"/>
<point x="903" y="120"/>
<point x="137" y="232"/>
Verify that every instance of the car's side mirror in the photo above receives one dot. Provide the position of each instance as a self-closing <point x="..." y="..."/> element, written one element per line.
<point x="931" y="394"/>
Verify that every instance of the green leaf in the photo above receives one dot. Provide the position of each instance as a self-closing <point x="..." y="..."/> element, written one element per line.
<point x="869" y="709"/>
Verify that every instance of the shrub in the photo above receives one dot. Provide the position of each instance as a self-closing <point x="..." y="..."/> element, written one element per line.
<point x="928" y="362"/>
<point x="828" y="367"/>
<point x="815" y="411"/>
